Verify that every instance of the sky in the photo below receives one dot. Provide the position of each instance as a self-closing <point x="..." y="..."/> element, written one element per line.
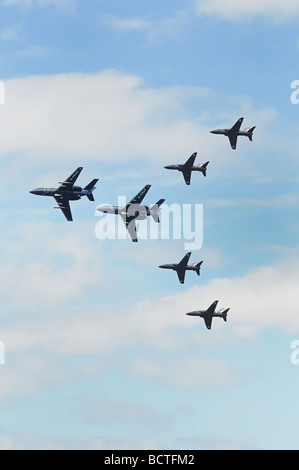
<point x="96" y="351"/>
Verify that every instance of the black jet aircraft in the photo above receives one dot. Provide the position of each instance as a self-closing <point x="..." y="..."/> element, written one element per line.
<point x="234" y="132"/>
<point x="134" y="211"/>
<point x="67" y="192"/>
<point x="210" y="313"/>
<point x="182" y="267"/>
<point x="188" y="167"/>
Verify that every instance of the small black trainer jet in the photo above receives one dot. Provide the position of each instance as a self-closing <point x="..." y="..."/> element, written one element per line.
<point x="188" y="167"/>
<point x="134" y="211"/>
<point x="234" y="132"/>
<point x="67" y="192"/>
<point x="182" y="267"/>
<point x="208" y="314"/>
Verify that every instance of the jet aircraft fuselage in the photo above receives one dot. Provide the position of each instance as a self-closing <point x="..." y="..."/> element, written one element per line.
<point x="182" y="267"/>
<point x="133" y="211"/>
<point x="226" y="132"/>
<point x="73" y="195"/>
<point x="234" y="132"/>
<point x="209" y="314"/>
<point x="67" y="191"/>
<point x="137" y="211"/>
<point x="181" y="167"/>
<point x="188" y="167"/>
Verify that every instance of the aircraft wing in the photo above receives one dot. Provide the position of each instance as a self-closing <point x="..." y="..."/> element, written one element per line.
<point x="185" y="260"/>
<point x="190" y="161"/>
<point x="64" y="205"/>
<point x="187" y="175"/>
<point x="131" y="227"/>
<point x="139" y="197"/>
<point x="181" y="275"/>
<point x="211" y="308"/>
<point x="233" y="141"/>
<point x="208" y="321"/>
<point x="233" y="133"/>
<point x="70" y="181"/>
<point x="237" y="125"/>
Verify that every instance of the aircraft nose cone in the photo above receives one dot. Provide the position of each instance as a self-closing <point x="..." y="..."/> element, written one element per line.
<point x="33" y="191"/>
<point x="105" y="209"/>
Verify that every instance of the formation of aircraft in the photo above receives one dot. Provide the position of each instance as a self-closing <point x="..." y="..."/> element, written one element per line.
<point x="134" y="211"/>
<point x="182" y="267"/>
<point x="67" y="192"/>
<point x="188" y="167"/>
<point x="209" y="314"/>
<point x="234" y="132"/>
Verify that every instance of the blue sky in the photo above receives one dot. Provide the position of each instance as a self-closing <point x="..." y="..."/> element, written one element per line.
<point x="99" y="353"/>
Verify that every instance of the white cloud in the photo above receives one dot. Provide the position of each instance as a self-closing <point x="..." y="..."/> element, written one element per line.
<point x="110" y="116"/>
<point x="152" y="329"/>
<point x="25" y="440"/>
<point x="236" y="10"/>
<point x="61" y="4"/>
<point x="276" y="202"/>
<point x="102" y="116"/>
<point x="46" y="264"/>
<point x="34" y="51"/>
<point x="11" y="33"/>
<point x="154" y="29"/>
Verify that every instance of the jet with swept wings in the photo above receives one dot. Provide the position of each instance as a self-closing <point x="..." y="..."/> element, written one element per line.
<point x="209" y="314"/>
<point x="234" y="132"/>
<point x="67" y="191"/>
<point x="188" y="167"/>
<point x="133" y="211"/>
<point x="182" y="267"/>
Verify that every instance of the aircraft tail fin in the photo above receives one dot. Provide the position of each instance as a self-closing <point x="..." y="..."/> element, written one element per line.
<point x="204" y="168"/>
<point x="154" y="210"/>
<point x="198" y="266"/>
<point x="224" y="314"/>
<point x="91" y="187"/>
<point x="250" y="133"/>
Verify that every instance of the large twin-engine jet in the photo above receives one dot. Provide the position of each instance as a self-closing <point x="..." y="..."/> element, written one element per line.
<point x="67" y="192"/>
<point x="234" y="132"/>
<point x="182" y="267"/>
<point x="210" y="313"/>
<point x="188" y="167"/>
<point x="134" y="211"/>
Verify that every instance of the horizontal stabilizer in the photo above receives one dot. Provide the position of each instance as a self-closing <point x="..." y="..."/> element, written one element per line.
<point x="90" y="197"/>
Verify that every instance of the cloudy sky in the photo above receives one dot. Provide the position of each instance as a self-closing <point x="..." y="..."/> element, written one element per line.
<point x="98" y="351"/>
